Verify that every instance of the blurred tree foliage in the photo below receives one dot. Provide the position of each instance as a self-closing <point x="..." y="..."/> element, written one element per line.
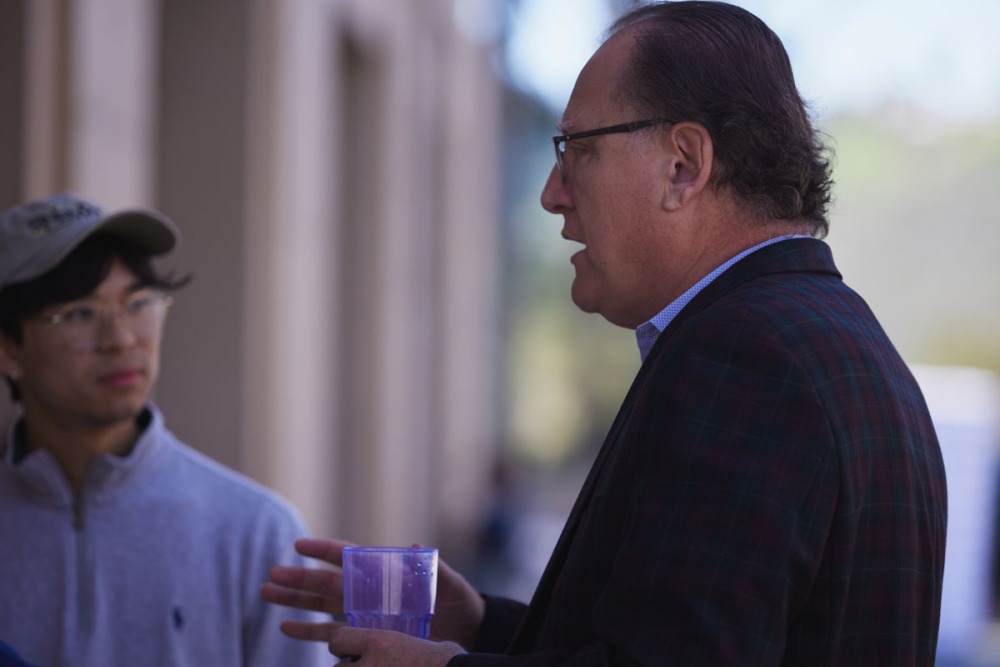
<point x="915" y="230"/>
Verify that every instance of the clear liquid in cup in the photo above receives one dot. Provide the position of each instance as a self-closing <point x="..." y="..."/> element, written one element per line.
<point x="418" y="626"/>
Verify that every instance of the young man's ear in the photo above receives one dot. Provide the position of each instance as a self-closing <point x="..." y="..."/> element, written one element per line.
<point x="8" y="365"/>
<point x="690" y="164"/>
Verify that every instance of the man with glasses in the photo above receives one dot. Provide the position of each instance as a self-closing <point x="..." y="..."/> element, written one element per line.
<point x="771" y="491"/>
<point x="119" y="544"/>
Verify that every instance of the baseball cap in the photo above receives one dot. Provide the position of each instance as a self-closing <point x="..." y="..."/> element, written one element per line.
<point x="36" y="236"/>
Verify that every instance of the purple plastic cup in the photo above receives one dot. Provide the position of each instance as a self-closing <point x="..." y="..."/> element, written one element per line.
<point x="390" y="588"/>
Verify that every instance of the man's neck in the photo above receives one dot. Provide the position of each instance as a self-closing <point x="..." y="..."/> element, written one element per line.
<point x="720" y="227"/>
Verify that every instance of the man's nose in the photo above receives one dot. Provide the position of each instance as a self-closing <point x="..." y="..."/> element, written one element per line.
<point x="556" y="195"/>
<point x="115" y="329"/>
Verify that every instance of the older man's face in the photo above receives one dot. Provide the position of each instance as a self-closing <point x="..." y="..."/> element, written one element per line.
<point x="611" y="198"/>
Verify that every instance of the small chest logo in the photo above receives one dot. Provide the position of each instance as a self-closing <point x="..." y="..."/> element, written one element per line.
<point x="178" y="619"/>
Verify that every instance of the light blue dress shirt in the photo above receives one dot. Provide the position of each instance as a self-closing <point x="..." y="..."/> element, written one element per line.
<point x="647" y="332"/>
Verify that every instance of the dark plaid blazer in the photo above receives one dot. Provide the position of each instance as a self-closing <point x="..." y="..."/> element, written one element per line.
<point x="770" y="493"/>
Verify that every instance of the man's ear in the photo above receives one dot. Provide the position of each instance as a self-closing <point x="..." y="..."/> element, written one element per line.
<point x="689" y="166"/>
<point x="8" y="362"/>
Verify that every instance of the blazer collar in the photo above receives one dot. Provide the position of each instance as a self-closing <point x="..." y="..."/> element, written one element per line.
<point x="791" y="256"/>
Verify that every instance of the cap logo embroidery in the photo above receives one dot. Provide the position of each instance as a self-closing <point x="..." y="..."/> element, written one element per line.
<point x="44" y="222"/>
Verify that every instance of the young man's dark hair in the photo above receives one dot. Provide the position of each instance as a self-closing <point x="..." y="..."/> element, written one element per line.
<point x="76" y="277"/>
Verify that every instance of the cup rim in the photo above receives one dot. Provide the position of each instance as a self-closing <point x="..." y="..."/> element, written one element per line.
<point x="390" y="549"/>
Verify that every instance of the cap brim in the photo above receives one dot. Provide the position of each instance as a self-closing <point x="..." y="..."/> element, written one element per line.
<point x="151" y="231"/>
<point x="147" y="230"/>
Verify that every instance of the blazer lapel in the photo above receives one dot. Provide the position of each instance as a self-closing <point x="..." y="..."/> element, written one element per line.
<point x="525" y="636"/>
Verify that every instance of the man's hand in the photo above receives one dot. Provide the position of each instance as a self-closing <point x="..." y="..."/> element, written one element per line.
<point x="457" y="614"/>
<point x="377" y="648"/>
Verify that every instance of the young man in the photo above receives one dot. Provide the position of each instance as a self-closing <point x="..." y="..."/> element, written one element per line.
<point x="120" y="545"/>
<point x="771" y="492"/>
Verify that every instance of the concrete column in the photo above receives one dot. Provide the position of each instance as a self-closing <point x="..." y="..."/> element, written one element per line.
<point x="292" y="392"/>
<point x="112" y="98"/>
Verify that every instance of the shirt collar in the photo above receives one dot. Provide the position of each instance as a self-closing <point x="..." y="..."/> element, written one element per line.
<point x="647" y="332"/>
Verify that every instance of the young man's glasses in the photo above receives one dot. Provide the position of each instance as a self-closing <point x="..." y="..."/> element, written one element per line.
<point x="560" y="140"/>
<point x="82" y="324"/>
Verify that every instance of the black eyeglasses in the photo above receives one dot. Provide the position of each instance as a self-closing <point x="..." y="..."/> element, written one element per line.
<point x="560" y="140"/>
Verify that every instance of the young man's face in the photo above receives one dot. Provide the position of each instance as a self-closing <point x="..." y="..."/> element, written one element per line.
<point x="100" y="386"/>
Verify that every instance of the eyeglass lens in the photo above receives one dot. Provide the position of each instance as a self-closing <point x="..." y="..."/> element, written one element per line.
<point x="560" y="147"/>
<point x="83" y="325"/>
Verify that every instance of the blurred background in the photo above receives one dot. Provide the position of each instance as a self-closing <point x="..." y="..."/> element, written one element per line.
<point x="379" y="325"/>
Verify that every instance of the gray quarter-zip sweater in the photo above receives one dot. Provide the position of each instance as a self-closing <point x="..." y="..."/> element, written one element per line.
<point x="159" y="561"/>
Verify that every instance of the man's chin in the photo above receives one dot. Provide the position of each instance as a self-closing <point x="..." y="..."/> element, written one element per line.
<point x="582" y="299"/>
<point x="122" y="409"/>
<point x="588" y="302"/>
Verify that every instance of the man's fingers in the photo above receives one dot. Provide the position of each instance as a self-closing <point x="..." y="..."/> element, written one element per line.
<point x="388" y="647"/>
<point x="324" y="582"/>
<point x="317" y="632"/>
<point x="322" y="549"/>
<point x="299" y="600"/>
<point x="347" y="642"/>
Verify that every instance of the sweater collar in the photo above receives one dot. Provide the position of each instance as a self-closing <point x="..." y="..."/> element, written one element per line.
<point x="40" y="472"/>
